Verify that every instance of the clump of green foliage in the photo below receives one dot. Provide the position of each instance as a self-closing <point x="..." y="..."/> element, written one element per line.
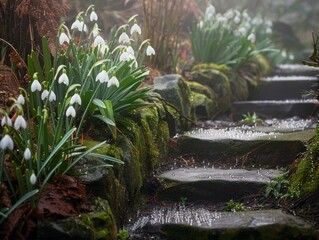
<point x="233" y="206"/>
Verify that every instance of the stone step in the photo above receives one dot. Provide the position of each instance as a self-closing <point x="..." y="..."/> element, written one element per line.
<point x="280" y="109"/>
<point x="213" y="185"/>
<point x="295" y="69"/>
<point x="245" y="146"/>
<point x="194" y="223"/>
<point x="285" y="87"/>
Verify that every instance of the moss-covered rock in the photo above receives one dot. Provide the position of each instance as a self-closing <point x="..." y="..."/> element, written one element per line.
<point x="306" y="177"/>
<point x="175" y="92"/>
<point x="215" y="77"/>
<point x="97" y="224"/>
<point x="204" y="106"/>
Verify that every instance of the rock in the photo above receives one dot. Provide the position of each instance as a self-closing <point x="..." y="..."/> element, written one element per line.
<point x="195" y="223"/>
<point x="174" y="91"/>
<point x="214" y="77"/>
<point x="98" y="224"/>
<point x="246" y="147"/>
<point x="204" y="106"/>
<point x="213" y="185"/>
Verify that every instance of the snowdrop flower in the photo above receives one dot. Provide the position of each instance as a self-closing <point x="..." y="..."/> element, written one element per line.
<point x="201" y="24"/>
<point x="284" y="54"/>
<point x="237" y="19"/>
<point x="21" y="99"/>
<point x="27" y="154"/>
<point x="210" y="12"/>
<point x="221" y="19"/>
<point x="268" y="30"/>
<point x="113" y="81"/>
<point x="130" y="51"/>
<point x="103" y="49"/>
<point x="20" y="122"/>
<point x="6" y="142"/>
<point x="125" y="57"/>
<point x="79" y="25"/>
<point x="76" y="25"/>
<point x="76" y="99"/>
<point x="83" y="27"/>
<point x="102" y="76"/>
<point x="136" y="28"/>
<point x="150" y="50"/>
<point x="291" y="57"/>
<point x="229" y="14"/>
<point x="93" y="16"/>
<point x="98" y="41"/>
<point x="64" y="78"/>
<point x="124" y="38"/>
<point x="35" y="86"/>
<point x="63" y="38"/>
<point x="45" y="94"/>
<point x="6" y="121"/>
<point x="70" y="112"/>
<point x="33" y="178"/>
<point x="242" y="31"/>
<point x="96" y="30"/>
<point x="252" y="37"/>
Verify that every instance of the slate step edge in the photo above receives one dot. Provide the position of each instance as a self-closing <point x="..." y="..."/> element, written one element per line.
<point x="213" y="185"/>
<point x="180" y="222"/>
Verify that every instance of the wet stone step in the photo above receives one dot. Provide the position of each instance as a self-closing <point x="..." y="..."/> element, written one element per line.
<point x="245" y="146"/>
<point x="195" y="223"/>
<point x="295" y="69"/>
<point x="280" y="109"/>
<point x="213" y="185"/>
<point x="285" y="87"/>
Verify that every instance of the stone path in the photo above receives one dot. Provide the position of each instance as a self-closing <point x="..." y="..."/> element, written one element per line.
<point x="185" y="206"/>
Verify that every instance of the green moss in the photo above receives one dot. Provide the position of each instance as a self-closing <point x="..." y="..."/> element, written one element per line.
<point x="264" y="65"/>
<point x="204" y="106"/>
<point x="306" y="177"/>
<point x="101" y="222"/>
<point x="217" y="78"/>
<point x="105" y="149"/>
<point x="202" y="89"/>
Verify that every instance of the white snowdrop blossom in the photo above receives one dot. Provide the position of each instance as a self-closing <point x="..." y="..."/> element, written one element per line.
<point x="79" y="25"/>
<point x="103" y="49"/>
<point x="210" y="12"/>
<point x="70" y="112"/>
<point x="98" y="41"/>
<point x="130" y="51"/>
<point x="229" y="14"/>
<point x="20" y="123"/>
<point x="113" y="81"/>
<point x="95" y="30"/>
<point x="45" y="94"/>
<point x="76" y="25"/>
<point x="64" y="78"/>
<point x="237" y="19"/>
<point x="269" y="30"/>
<point x="76" y="99"/>
<point x="251" y="37"/>
<point x="150" y="50"/>
<point x="291" y="57"/>
<point x="125" y="57"/>
<point x="102" y="76"/>
<point x="6" y="121"/>
<point x="124" y="38"/>
<point x="93" y="16"/>
<point x="221" y="19"/>
<point x="284" y="54"/>
<point x="36" y="86"/>
<point x="136" y="28"/>
<point x="33" y="179"/>
<point x="27" y="154"/>
<point x="21" y="99"/>
<point x="242" y="31"/>
<point x="63" y="38"/>
<point x="6" y="142"/>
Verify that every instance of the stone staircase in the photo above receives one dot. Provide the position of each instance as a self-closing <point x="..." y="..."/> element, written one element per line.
<point x="282" y="95"/>
<point x="230" y="164"/>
